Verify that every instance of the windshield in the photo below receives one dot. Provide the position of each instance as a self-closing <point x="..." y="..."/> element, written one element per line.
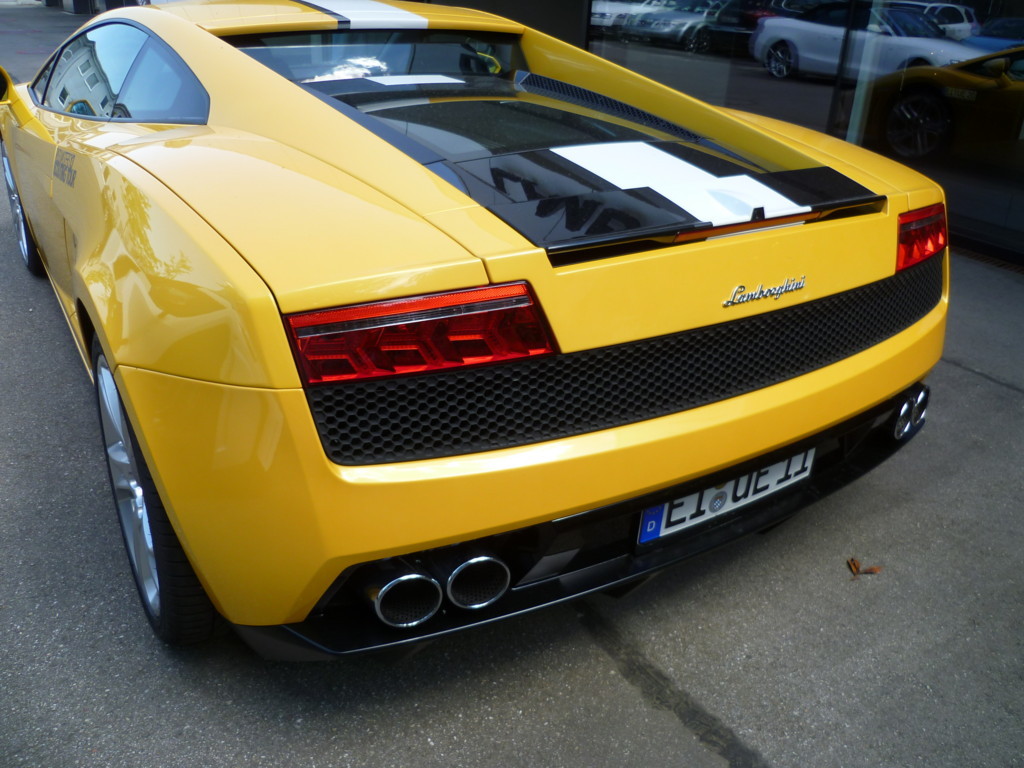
<point x="912" y="24"/>
<point x="388" y="57"/>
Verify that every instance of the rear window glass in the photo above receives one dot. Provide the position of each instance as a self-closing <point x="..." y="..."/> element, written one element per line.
<point x="388" y="56"/>
<point x="458" y="129"/>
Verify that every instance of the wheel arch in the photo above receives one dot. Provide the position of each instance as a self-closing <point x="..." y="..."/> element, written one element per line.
<point x="794" y="53"/>
<point x="915" y="61"/>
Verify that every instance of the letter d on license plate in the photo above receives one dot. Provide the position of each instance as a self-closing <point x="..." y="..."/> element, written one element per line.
<point x="687" y="511"/>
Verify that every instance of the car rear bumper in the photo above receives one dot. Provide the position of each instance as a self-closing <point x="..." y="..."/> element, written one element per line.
<point x="591" y="551"/>
<point x="271" y="525"/>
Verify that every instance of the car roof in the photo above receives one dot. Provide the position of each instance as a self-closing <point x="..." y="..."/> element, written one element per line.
<point x="250" y="16"/>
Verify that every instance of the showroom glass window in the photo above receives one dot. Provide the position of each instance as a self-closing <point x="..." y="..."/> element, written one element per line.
<point x="934" y="85"/>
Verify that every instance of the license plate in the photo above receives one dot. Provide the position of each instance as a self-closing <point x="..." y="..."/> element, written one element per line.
<point x="685" y="512"/>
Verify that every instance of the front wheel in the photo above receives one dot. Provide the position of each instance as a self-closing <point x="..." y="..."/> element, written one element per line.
<point x="26" y="245"/>
<point x="700" y="41"/>
<point x="175" y="603"/>
<point x="918" y="125"/>
<point x="780" y="61"/>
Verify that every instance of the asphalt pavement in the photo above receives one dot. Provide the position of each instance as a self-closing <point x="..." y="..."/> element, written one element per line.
<point x="763" y="653"/>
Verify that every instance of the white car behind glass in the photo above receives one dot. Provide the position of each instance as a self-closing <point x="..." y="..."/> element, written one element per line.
<point x="882" y="41"/>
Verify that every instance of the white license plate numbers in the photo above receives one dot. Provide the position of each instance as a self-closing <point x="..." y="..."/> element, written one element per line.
<point x="685" y="512"/>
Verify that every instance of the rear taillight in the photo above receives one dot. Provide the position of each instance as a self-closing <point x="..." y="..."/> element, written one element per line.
<point x="419" y="334"/>
<point x="922" y="235"/>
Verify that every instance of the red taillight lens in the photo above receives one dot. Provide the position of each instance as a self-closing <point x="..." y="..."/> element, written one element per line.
<point x="415" y="335"/>
<point x="922" y="235"/>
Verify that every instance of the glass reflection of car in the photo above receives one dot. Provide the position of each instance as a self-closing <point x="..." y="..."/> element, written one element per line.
<point x="974" y="109"/>
<point x="674" y="24"/>
<point x="729" y="28"/>
<point x="608" y="16"/>
<point x="999" y="34"/>
<point x="955" y="21"/>
<point x="881" y="41"/>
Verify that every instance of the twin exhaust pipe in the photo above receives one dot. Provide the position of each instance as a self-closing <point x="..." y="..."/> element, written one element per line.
<point x="404" y="596"/>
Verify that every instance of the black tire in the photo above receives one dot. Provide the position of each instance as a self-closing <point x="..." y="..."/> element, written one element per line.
<point x="26" y="243"/>
<point x="700" y="41"/>
<point x="173" y="599"/>
<point x="780" y="60"/>
<point x="918" y="125"/>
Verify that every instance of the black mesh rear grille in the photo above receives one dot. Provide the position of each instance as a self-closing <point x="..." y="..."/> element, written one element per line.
<point x="499" y="406"/>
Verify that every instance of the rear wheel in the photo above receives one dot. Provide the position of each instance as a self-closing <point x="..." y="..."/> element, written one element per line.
<point x="918" y="125"/>
<point x="780" y="60"/>
<point x="27" y="246"/>
<point x="174" y="601"/>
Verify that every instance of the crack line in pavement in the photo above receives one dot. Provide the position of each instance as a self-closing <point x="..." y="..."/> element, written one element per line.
<point x="660" y="691"/>
<point x="982" y="374"/>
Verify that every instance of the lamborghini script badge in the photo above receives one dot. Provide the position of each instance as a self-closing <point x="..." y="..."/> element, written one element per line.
<point x="740" y="294"/>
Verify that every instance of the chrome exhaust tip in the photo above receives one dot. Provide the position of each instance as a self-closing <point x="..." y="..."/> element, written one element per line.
<point x="407" y="600"/>
<point x="478" y="582"/>
<point x="911" y="414"/>
<point x="920" y="409"/>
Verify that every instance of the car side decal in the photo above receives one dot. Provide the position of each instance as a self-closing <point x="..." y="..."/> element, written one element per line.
<point x="64" y="167"/>
<point x="368" y="14"/>
<point x="718" y="200"/>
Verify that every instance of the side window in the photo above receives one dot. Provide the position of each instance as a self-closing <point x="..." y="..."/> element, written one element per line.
<point x="832" y="16"/>
<point x="1016" y="69"/>
<point x="160" y="88"/>
<point x="39" y="84"/>
<point x="91" y="70"/>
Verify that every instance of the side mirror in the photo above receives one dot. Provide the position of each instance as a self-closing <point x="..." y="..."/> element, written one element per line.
<point x="997" y="68"/>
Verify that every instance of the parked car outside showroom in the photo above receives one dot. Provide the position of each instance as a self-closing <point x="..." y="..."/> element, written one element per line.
<point x="955" y="21"/>
<point x="675" y="23"/>
<point x="974" y="109"/>
<point x="404" y="319"/>
<point x="880" y="41"/>
<point x="999" y="34"/>
<point x="607" y="17"/>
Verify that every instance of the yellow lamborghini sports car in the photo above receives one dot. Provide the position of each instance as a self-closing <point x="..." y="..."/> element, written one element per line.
<point x="973" y="109"/>
<point x="405" y="318"/>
